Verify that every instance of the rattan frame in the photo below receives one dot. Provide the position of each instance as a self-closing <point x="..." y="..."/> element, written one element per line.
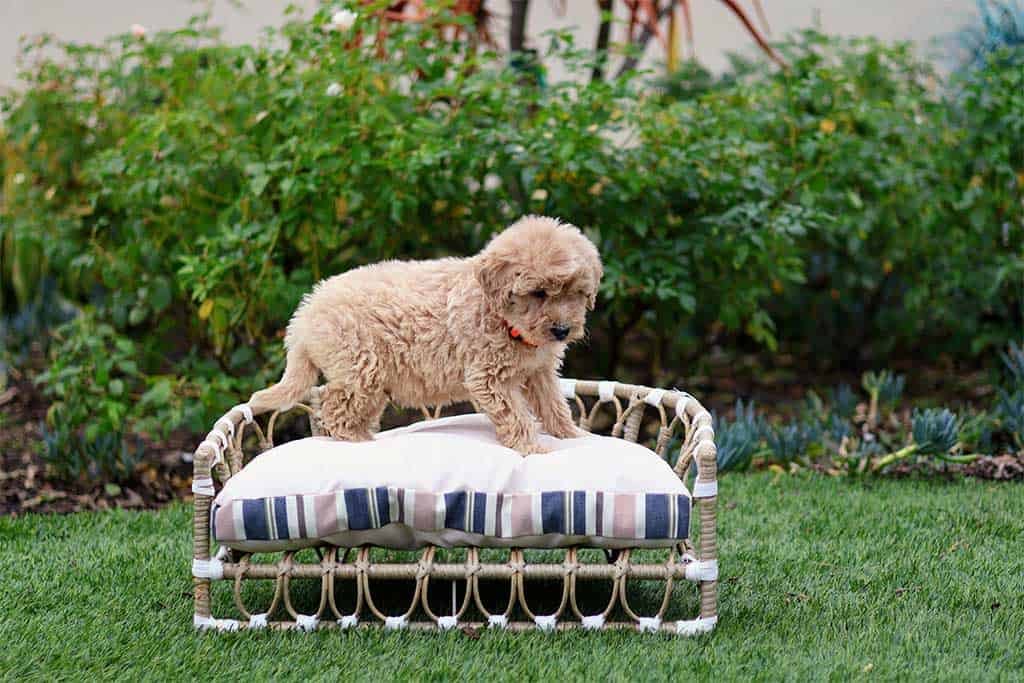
<point x="221" y="455"/>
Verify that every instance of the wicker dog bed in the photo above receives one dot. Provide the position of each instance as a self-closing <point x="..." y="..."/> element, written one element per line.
<point x="631" y="412"/>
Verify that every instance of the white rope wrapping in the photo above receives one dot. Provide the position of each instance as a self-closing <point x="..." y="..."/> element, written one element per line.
<point x="707" y="430"/>
<point x="206" y="623"/>
<point x="221" y="438"/>
<point x="246" y="412"/>
<point x="218" y="451"/>
<point x="606" y="391"/>
<point x="696" y="626"/>
<point x="447" y="623"/>
<point x="568" y="387"/>
<point x="705" y="489"/>
<point x="229" y="426"/>
<point x="702" y="570"/>
<point x="497" y="621"/>
<point x="203" y="486"/>
<point x="593" y="623"/>
<point x="648" y="624"/>
<point x="258" y="621"/>
<point x="212" y="569"/>
<point x="348" y="621"/>
<point x="654" y="396"/>
<point x="307" y="622"/>
<point x="545" y="622"/>
<point x="681" y="406"/>
<point x="395" y="623"/>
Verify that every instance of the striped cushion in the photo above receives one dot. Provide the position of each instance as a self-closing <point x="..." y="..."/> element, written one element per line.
<point x="448" y="482"/>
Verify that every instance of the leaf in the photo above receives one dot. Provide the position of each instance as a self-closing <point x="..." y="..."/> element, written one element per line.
<point x="160" y="294"/>
<point x="205" y="309"/>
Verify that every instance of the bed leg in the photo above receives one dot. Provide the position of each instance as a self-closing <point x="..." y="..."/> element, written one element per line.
<point x="707" y="474"/>
<point x="201" y="533"/>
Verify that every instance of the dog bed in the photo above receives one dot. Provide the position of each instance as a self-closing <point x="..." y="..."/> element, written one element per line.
<point x="448" y="483"/>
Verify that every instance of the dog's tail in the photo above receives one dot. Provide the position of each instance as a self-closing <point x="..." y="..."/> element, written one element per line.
<point x="300" y="374"/>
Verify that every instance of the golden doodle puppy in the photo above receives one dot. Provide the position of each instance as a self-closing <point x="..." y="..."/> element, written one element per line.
<point x="492" y="328"/>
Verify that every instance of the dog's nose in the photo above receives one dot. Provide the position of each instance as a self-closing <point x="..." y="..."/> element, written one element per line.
<point x="560" y="332"/>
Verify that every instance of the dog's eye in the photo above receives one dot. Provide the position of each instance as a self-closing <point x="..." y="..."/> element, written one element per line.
<point x="539" y="294"/>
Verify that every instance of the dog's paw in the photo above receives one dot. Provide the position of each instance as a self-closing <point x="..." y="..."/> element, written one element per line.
<point x="533" y="449"/>
<point x="569" y="431"/>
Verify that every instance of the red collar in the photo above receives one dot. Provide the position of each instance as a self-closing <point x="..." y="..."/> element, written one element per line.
<point x="517" y="335"/>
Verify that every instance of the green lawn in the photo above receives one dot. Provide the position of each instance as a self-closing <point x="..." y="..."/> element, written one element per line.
<point x="821" y="577"/>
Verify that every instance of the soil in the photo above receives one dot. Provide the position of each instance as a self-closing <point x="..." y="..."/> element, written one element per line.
<point x="165" y="475"/>
<point x="25" y="486"/>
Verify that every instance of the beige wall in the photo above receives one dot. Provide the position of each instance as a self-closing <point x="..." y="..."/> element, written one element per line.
<point x="716" y="29"/>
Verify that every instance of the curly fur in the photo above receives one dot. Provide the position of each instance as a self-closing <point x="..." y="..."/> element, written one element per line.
<point x="435" y="332"/>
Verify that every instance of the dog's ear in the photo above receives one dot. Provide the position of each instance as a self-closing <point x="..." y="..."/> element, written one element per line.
<point x="596" y="271"/>
<point x="495" y="274"/>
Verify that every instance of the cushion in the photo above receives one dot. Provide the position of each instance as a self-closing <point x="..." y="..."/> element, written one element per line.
<point x="448" y="482"/>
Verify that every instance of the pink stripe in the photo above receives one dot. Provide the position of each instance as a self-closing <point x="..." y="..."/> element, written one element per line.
<point x="326" y="514"/>
<point x="423" y="513"/>
<point x="522" y="514"/>
<point x="624" y="519"/>
<point x="224" y="522"/>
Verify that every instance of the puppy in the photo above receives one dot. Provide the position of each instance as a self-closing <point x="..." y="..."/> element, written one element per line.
<point x="492" y="328"/>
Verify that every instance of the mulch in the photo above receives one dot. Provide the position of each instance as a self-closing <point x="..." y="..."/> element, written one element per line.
<point x="165" y="474"/>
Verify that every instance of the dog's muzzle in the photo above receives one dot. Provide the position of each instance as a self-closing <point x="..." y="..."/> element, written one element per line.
<point x="560" y="332"/>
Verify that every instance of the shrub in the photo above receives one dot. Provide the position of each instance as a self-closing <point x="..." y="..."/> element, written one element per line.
<point x="184" y="193"/>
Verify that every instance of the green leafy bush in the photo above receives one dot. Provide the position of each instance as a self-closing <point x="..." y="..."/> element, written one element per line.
<point x="184" y="193"/>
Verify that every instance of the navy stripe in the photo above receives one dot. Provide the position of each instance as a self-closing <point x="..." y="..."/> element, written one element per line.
<point x="383" y="505"/>
<point x="683" y="511"/>
<point x="254" y="519"/>
<point x="281" y="517"/>
<point x="552" y="512"/>
<point x="357" y="504"/>
<point x="657" y="521"/>
<point x="213" y="522"/>
<point x="455" y="510"/>
<point x="479" y="512"/>
<point x="579" y="512"/>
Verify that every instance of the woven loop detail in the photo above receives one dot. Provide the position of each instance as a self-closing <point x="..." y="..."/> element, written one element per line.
<point x="423" y="569"/>
<point x="517" y="567"/>
<point x="258" y="621"/>
<point x="348" y="621"/>
<point x="284" y="566"/>
<point x="473" y="569"/>
<point x="446" y="623"/>
<point x="497" y="621"/>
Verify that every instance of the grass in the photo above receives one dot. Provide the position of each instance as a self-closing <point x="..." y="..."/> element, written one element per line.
<point x="821" y="578"/>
